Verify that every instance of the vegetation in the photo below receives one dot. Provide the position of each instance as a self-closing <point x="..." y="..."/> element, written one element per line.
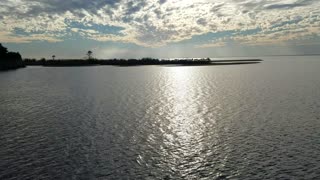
<point x="70" y="62"/>
<point x="137" y="62"/>
<point x="90" y="61"/>
<point x="10" y="60"/>
<point x="151" y="61"/>
<point x="34" y="62"/>
<point x="89" y="54"/>
<point x="116" y="62"/>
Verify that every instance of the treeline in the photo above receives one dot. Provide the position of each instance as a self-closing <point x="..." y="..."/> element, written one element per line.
<point x="90" y="61"/>
<point x="10" y="60"/>
<point x="151" y="61"/>
<point x="117" y="62"/>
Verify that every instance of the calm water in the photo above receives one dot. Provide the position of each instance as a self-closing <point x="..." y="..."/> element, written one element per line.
<point x="259" y="121"/>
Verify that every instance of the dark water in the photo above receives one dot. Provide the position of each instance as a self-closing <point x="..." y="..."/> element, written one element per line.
<point x="259" y="121"/>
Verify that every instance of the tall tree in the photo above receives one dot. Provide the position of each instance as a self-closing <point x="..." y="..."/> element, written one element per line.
<point x="3" y="50"/>
<point x="89" y="54"/>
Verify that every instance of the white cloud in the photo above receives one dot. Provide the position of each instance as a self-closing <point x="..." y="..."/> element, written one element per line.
<point x="221" y="42"/>
<point x="11" y="38"/>
<point x="155" y="23"/>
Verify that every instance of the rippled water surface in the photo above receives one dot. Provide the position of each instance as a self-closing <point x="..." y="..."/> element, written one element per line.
<point x="258" y="121"/>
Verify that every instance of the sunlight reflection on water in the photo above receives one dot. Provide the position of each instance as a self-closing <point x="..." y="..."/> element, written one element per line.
<point x="185" y="113"/>
<point x="159" y="122"/>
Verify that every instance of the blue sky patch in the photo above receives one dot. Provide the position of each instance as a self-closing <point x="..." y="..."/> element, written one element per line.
<point x="103" y="29"/>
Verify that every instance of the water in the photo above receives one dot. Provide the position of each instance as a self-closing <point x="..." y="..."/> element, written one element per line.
<point x="258" y="121"/>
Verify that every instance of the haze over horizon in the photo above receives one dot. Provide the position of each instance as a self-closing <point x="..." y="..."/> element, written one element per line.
<point x="160" y="28"/>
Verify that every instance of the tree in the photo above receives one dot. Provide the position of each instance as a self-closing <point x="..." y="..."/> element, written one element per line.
<point x="14" y="56"/>
<point x="3" y="50"/>
<point x="6" y="55"/>
<point x="54" y="56"/>
<point x="89" y="54"/>
<point x="10" y="60"/>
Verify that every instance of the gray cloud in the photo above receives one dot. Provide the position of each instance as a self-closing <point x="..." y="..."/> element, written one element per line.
<point x="58" y="6"/>
<point x="162" y="1"/>
<point x="202" y="21"/>
<point x="285" y="6"/>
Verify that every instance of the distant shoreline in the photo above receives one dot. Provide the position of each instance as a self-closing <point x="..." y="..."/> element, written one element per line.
<point x="140" y="62"/>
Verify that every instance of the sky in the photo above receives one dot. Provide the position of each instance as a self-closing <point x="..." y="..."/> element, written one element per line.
<point x="160" y="28"/>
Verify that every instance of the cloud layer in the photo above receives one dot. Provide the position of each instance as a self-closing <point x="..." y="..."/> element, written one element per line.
<point x="154" y="23"/>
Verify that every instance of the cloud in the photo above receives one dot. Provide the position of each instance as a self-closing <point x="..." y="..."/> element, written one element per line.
<point x="289" y="5"/>
<point x="10" y="38"/>
<point x="156" y="23"/>
<point x="211" y="45"/>
<point x="162" y="1"/>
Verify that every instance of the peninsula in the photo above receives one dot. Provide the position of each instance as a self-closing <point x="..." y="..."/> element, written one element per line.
<point x="13" y="60"/>
<point x="138" y="62"/>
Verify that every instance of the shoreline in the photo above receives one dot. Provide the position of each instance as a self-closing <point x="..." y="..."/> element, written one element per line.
<point x="140" y="62"/>
<point x="11" y="65"/>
